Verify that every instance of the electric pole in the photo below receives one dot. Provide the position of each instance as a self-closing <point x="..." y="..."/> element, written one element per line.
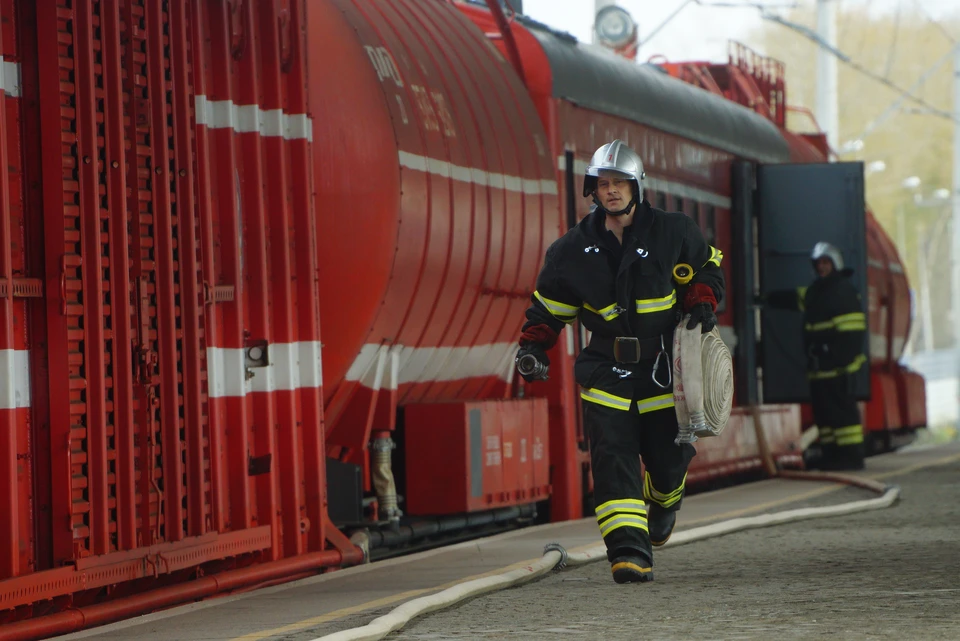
<point x="827" y="71"/>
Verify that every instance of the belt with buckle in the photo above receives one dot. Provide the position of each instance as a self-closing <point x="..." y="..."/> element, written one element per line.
<point x="629" y="349"/>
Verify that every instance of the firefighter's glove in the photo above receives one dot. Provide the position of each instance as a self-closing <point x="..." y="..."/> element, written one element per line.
<point x="702" y="313"/>
<point x="701" y="304"/>
<point x="535" y="341"/>
<point x="540" y="335"/>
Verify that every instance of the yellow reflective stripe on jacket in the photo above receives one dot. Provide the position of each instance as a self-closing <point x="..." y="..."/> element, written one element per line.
<point x="663" y="499"/>
<point x="649" y="305"/>
<point x="716" y="256"/>
<point x="850" y="435"/>
<point x="801" y="298"/>
<point x="819" y="327"/>
<point x="655" y="403"/>
<point x="608" y="313"/>
<point x="846" y="369"/>
<point x="628" y="506"/>
<point x="853" y="322"/>
<point x="607" y="400"/>
<point x="562" y="311"/>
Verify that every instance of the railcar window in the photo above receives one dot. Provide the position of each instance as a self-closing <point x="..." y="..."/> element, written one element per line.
<point x="660" y="201"/>
<point x="677" y="203"/>
<point x="708" y="224"/>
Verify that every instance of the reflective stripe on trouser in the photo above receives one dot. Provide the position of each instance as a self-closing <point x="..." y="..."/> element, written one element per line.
<point x="849" y="435"/>
<point x="838" y="419"/>
<point x="664" y="499"/>
<point x="840" y="372"/>
<point x="617" y="441"/>
<point x="620" y="513"/>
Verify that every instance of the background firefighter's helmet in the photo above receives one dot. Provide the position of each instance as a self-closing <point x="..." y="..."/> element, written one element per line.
<point x="826" y="250"/>
<point x="618" y="157"/>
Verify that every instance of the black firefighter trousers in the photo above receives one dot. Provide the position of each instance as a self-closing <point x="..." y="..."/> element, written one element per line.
<point x="838" y="420"/>
<point x="627" y="419"/>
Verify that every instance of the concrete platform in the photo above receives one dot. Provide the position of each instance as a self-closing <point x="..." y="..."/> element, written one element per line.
<point x="319" y="605"/>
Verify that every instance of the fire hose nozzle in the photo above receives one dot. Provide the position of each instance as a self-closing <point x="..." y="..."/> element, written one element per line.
<point x="528" y="365"/>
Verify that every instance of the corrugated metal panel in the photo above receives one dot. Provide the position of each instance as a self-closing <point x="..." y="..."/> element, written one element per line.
<point x="17" y="472"/>
<point x="179" y="294"/>
<point x="464" y="206"/>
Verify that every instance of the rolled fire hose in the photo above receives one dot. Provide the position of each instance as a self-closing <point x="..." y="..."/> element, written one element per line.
<point x="702" y="382"/>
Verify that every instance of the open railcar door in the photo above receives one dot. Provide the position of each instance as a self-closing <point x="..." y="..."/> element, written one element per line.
<point x="798" y="205"/>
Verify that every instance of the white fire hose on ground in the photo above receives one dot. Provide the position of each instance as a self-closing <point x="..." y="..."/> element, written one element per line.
<point x="555" y="557"/>
<point x="703" y="395"/>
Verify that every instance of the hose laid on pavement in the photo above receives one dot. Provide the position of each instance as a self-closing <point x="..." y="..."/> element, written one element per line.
<point x="556" y="558"/>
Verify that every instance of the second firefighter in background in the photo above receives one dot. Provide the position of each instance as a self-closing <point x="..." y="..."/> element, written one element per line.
<point x="834" y="332"/>
<point x="615" y="272"/>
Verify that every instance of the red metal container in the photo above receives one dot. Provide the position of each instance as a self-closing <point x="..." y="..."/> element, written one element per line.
<point x="466" y="457"/>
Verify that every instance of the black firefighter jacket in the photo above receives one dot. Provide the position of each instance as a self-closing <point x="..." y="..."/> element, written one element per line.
<point x="622" y="291"/>
<point x="834" y="324"/>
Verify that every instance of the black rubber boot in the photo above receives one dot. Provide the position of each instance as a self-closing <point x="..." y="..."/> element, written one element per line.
<point x="660" y="523"/>
<point x="631" y="569"/>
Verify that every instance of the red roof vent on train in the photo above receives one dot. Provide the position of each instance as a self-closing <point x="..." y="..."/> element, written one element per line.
<point x="747" y="78"/>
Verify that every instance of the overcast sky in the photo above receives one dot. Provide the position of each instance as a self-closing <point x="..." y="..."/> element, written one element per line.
<point x="699" y="32"/>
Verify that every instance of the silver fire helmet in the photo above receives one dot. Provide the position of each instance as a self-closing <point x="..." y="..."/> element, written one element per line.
<point x="615" y="156"/>
<point x="826" y="250"/>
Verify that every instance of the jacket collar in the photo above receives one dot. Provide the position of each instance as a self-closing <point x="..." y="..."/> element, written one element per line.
<point x="593" y="224"/>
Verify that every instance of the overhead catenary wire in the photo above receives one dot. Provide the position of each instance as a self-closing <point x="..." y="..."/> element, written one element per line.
<point x="811" y="35"/>
<point x="895" y="106"/>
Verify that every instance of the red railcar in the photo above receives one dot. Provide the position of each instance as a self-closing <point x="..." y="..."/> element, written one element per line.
<point x="262" y="267"/>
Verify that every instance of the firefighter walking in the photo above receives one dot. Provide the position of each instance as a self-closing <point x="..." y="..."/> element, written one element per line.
<point x="834" y="327"/>
<point x="615" y="272"/>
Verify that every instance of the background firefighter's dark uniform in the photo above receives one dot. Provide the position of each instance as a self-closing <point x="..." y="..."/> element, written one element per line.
<point x="834" y="331"/>
<point x="627" y="290"/>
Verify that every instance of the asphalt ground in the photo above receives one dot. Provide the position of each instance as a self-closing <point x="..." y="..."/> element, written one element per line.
<point x="886" y="574"/>
<point x="891" y="573"/>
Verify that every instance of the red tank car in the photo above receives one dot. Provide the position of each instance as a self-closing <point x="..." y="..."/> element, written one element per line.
<point x="239" y="267"/>
<point x="438" y="194"/>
